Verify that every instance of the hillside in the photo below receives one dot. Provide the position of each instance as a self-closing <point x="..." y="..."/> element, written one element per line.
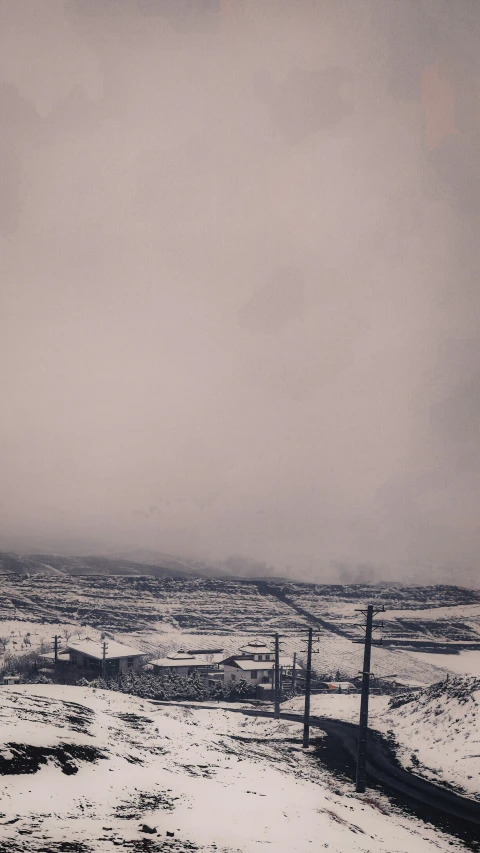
<point x="161" y="614"/>
<point x="438" y="731"/>
<point x="87" y="770"/>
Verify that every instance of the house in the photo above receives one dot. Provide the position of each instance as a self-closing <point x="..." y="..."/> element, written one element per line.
<point x="89" y="655"/>
<point x="11" y="679"/>
<point x="257" y="651"/>
<point x="255" y="663"/>
<point x="182" y="663"/>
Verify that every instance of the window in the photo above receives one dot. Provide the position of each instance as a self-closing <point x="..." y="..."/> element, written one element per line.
<point x="253" y="673"/>
<point x="234" y="677"/>
<point x="260" y="657"/>
<point x="267" y="657"/>
<point x="129" y="663"/>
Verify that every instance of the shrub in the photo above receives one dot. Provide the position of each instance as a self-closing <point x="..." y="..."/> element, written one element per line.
<point x="172" y="687"/>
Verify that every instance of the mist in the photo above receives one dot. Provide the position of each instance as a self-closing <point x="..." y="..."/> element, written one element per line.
<point x="239" y="298"/>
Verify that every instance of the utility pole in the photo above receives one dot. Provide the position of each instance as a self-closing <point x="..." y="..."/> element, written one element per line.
<point x="308" y="685"/>
<point x="55" y="647"/>
<point x="276" y="712"/>
<point x="363" y="726"/>
<point x="104" y="662"/>
<point x="294" y="673"/>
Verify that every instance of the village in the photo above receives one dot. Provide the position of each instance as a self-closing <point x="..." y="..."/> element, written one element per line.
<point x="254" y="664"/>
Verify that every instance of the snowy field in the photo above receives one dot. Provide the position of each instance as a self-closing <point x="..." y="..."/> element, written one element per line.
<point x="464" y="663"/>
<point x="215" y="780"/>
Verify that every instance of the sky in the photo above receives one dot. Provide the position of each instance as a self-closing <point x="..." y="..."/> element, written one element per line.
<point x="239" y="283"/>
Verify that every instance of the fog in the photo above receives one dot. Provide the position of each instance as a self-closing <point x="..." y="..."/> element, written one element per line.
<point x="239" y="282"/>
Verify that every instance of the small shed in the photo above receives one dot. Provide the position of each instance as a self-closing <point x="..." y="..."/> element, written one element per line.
<point x="336" y="687"/>
<point x="11" y="679"/>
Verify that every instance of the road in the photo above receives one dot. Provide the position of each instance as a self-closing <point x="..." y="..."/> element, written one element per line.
<point x="440" y="806"/>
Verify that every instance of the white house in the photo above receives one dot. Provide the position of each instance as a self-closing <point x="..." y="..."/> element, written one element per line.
<point x="257" y="651"/>
<point x="88" y="655"/>
<point x="255" y="663"/>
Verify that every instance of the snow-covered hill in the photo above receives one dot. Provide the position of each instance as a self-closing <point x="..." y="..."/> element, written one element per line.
<point x="86" y="769"/>
<point x="438" y="730"/>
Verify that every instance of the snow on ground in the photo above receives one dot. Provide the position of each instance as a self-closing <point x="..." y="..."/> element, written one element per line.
<point x="339" y="707"/>
<point x="438" y="731"/>
<point x="218" y="780"/>
<point x="464" y="663"/>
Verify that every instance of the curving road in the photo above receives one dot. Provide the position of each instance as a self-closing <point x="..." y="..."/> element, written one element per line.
<point x="441" y="806"/>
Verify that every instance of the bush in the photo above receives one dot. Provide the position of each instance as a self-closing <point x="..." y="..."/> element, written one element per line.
<point x="171" y="687"/>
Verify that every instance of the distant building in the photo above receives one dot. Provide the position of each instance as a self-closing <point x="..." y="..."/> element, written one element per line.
<point x="88" y="655"/>
<point x="182" y="663"/>
<point x="11" y="679"/>
<point x="211" y="657"/>
<point x="336" y="687"/>
<point x="255" y="664"/>
<point x="257" y="651"/>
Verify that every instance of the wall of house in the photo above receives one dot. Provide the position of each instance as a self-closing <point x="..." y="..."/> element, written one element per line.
<point x="113" y="666"/>
<point x="123" y="666"/>
<point x="247" y="676"/>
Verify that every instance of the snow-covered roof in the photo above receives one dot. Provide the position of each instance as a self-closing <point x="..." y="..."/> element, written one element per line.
<point x="181" y="655"/>
<point x="51" y="655"/>
<point x="187" y="658"/>
<point x="246" y="664"/>
<point x="175" y="662"/>
<point x="256" y="648"/>
<point x="95" y="650"/>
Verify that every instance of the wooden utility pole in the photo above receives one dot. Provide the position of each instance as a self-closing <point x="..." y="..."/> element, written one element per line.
<point x="55" y="647"/>
<point x="276" y="712"/>
<point x="104" y="660"/>
<point x="308" y="685"/>
<point x="363" y="726"/>
<point x="294" y="673"/>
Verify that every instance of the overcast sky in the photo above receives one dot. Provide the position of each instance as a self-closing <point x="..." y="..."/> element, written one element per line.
<point x="239" y="282"/>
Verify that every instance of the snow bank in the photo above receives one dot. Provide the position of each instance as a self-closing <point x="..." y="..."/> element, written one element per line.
<point x="438" y="730"/>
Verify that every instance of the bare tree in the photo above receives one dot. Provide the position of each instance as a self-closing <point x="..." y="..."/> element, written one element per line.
<point x="4" y="642"/>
